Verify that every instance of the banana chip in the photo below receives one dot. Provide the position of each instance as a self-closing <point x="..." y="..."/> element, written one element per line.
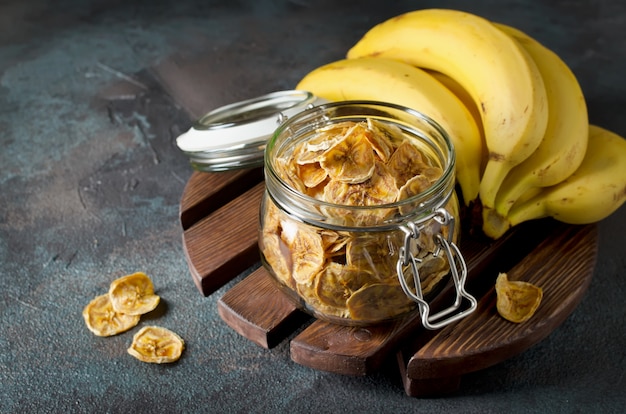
<point x="413" y="186"/>
<point x="406" y="162"/>
<point x="431" y="271"/>
<point x="309" y="293"/>
<point x="288" y="172"/>
<point x="312" y="174"/>
<point x="517" y="301"/>
<point x="326" y="137"/>
<point x="133" y="294"/>
<point x="277" y="255"/>
<point x="103" y="320"/>
<point x="381" y="141"/>
<point x="374" y="254"/>
<point x="391" y="133"/>
<point x="378" y="302"/>
<point x="332" y="284"/>
<point x="307" y="252"/>
<point x="271" y="218"/>
<point x="431" y="172"/>
<point x="334" y="242"/>
<point x="156" y="345"/>
<point x="377" y="190"/>
<point x="351" y="160"/>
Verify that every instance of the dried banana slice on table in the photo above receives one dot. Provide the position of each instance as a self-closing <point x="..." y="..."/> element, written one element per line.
<point x="133" y="294"/>
<point x="156" y="345"/>
<point x="103" y="320"/>
<point x="517" y="301"/>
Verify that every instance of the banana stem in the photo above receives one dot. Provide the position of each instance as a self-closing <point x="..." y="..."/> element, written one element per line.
<point x="494" y="225"/>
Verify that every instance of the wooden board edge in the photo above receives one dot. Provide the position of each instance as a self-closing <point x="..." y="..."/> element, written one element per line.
<point x="418" y="369"/>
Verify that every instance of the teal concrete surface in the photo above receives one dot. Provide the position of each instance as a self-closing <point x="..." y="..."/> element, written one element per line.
<point x="92" y="96"/>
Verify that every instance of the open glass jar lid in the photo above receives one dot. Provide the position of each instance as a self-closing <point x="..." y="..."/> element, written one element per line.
<point x="234" y="136"/>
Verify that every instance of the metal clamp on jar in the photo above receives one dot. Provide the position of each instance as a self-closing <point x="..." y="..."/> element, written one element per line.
<point x="360" y="249"/>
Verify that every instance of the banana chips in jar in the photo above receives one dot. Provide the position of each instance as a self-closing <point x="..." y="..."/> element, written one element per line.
<point x="351" y="222"/>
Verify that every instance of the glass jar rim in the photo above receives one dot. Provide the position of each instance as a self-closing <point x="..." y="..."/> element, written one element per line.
<point x="426" y="199"/>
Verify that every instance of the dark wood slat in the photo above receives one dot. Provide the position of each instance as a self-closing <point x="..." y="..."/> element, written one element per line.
<point x="562" y="265"/>
<point x="224" y="244"/>
<point x="206" y="192"/>
<point x="256" y="309"/>
<point x="429" y="387"/>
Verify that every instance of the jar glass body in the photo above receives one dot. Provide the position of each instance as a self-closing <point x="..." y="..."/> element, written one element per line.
<point x="358" y="264"/>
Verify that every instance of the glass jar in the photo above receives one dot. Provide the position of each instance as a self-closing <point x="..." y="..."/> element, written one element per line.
<point x="358" y="262"/>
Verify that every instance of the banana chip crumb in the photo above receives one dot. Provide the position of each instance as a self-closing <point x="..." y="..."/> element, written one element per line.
<point x="516" y="301"/>
<point x="133" y="294"/>
<point x="103" y="320"/>
<point x="156" y="345"/>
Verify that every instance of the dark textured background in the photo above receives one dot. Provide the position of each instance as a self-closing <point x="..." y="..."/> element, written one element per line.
<point x="92" y="96"/>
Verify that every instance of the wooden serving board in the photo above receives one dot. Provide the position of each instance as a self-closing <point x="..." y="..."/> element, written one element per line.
<point x="219" y="215"/>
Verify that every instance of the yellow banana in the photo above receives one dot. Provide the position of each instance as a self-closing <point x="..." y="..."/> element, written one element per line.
<point x="460" y="92"/>
<point x="563" y="146"/>
<point x="593" y="192"/>
<point x="500" y="76"/>
<point x="457" y="89"/>
<point x="396" y="82"/>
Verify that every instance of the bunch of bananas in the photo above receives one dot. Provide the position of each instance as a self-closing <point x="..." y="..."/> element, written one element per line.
<point x="514" y="111"/>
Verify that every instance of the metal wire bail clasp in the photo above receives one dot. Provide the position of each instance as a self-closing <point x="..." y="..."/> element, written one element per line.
<point x="458" y="270"/>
